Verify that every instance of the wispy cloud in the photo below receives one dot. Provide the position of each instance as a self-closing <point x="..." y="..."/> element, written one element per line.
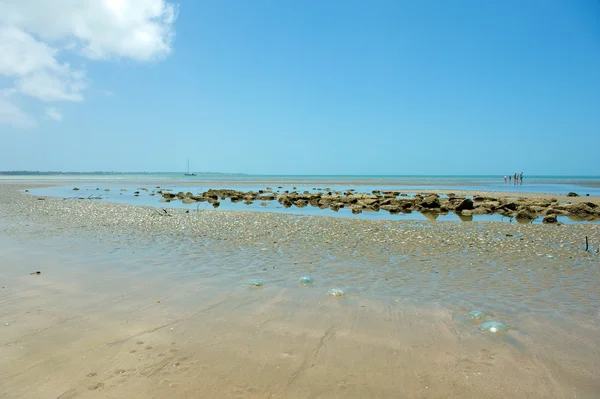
<point x="37" y="35"/>
<point x="11" y="114"/>
<point x="52" y="113"/>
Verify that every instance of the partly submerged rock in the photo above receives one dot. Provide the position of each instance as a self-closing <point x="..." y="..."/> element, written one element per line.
<point x="256" y="282"/>
<point x="336" y="292"/>
<point x="476" y="315"/>
<point x="493" y="327"/>
<point x="305" y="280"/>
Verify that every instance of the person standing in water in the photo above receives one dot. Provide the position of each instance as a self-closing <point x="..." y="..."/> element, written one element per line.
<point x="521" y="177"/>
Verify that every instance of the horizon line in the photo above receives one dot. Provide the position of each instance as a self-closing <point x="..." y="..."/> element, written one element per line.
<point x="33" y="172"/>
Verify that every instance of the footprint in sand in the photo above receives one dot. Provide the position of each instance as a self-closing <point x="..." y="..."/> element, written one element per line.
<point x="97" y="386"/>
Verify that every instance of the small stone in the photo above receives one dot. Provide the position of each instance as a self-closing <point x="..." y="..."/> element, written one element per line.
<point x="305" y="280"/>
<point x="476" y="315"/>
<point x="493" y="327"/>
<point x="256" y="282"/>
<point x="336" y="292"/>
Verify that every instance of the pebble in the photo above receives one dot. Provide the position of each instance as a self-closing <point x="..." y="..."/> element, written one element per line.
<point x="493" y="327"/>
<point x="256" y="282"/>
<point x="305" y="280"/>
<point x="336" y="292"/>
<point x="476" y="315"/>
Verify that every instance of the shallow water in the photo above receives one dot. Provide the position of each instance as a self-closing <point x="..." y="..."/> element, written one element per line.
<point x="531" y="184"/>
<point x="137" y="312"/>
<point x="135" y="317"/>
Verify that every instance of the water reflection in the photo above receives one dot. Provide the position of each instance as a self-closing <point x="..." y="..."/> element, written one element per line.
<point x="431" y="215"/>
<point x="465" y="218"/>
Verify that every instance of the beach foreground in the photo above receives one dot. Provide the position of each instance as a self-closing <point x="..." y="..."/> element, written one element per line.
<point x="139" y="302"/>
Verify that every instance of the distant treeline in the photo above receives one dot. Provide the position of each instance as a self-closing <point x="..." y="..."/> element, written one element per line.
<point x="38" y="173"/>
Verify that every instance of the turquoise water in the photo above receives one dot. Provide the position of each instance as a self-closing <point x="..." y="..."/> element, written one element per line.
<point x="532" y="184"/>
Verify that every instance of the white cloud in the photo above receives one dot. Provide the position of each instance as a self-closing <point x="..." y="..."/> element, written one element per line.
<point x="52" y="113"/>
<point x="37" y="35"/>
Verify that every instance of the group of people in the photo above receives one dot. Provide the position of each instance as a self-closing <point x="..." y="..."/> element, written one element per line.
<point x="516" y="178"/>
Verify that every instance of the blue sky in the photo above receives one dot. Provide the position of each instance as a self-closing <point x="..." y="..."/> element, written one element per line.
<point x="314" y="87"/>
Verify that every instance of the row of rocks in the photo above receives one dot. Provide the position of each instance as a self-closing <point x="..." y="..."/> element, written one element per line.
<point x="395" y="202"/>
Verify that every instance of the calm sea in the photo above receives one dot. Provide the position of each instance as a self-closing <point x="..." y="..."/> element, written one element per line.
<point x="531" y="184"/>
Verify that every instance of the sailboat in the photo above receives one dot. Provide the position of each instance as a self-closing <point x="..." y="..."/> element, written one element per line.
<point x="188" y="173"/>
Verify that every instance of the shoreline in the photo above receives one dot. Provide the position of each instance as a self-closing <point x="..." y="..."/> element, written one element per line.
<point x="432" y="183"/>
<point x="131" y="303"/>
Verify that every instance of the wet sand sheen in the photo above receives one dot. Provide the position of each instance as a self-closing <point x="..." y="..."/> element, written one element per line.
<point x="90" y="324"/>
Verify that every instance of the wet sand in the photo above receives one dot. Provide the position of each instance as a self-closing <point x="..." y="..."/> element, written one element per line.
<point x="134" y="303"/>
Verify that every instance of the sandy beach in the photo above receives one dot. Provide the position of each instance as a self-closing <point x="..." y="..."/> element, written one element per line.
<point x="138" y="302"/>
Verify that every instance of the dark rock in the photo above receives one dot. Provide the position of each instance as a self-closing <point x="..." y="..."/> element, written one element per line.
<point x="335" y="206"/>
<point x="431" y="202"/>
<point x="465" y="204"/>
<point x="285" y="201"/>
<point x="301" y="203"/>
<point x="479" y="198"/>
<point x="582" y="209"/>
<point x="509" y="206"/>
<point x="525" y="215"/>
<point x="572" y="194"/>
<point x="550" y="219"/>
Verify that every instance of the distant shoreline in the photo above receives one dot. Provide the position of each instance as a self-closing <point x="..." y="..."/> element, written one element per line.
<point x="99" y="173"/>
<point x="259" y="175"/>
